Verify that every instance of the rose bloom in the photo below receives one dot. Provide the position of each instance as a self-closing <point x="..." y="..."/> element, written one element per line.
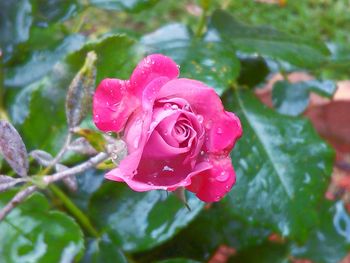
<point x="177" y="131"/>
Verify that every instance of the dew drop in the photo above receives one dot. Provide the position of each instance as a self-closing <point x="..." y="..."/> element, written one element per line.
<point x="168" y="168"/>
<point x="209" y="124"/>
<point x="217" y="198"/>
<point x="174" y="107"/>
<point x="150" y="183"/>
<point x="187" y="107"/>
<point x="202" y="153"/>
<point x="223" y="177"/>
<point x="178" y="66"/>
<point x="219" y="131"/>
<point x="97" y="118"/>
<point x="200" y="118"/>
<point x="167" y="106"/>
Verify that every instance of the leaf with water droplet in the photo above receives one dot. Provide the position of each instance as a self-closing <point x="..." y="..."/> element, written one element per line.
<point x="32" y="227"/>
<point x="13" y="149"/>
<point x="270" y="167"/>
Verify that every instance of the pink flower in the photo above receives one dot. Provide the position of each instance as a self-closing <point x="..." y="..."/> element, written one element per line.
<point x="177" y="132"/>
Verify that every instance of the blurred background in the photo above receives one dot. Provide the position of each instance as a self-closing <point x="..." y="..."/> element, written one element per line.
<point x="282" y="66"/>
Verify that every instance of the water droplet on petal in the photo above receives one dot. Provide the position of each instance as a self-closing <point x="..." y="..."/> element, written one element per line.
<point x="202" y="153"/>
<point x="178" y="66"/>
<point x="217" y="198"/>
<point x="167" y="106"/>
<point x="223" y="177"/>
<point x="168" y="168"/>
<point x="150" y="183"/>
<point x="187" y="107"/>
<point x="174" y="107"/>
<point x="200" y="118"/>
<point x="97" y="118"/>
<point x="219" y="131"/>
<point x="208" y="124"/>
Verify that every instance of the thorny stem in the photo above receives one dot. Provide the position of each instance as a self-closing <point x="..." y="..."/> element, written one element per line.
<point x="48" y="179"/>
<point x="75" y="211"/>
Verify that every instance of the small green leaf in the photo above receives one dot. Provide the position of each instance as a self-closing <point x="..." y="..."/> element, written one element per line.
<point x="140" y="221"/>
<point x="213" y="63"/>
<point x="282" y="168"/>
<point x="269" y="42"/>
<point x="293" y="98"/>
<point x="95" y="138"/>
<point x="32" y="233"/>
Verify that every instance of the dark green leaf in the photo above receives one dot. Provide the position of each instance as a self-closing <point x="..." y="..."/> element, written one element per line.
<point x="32" y="233"/>
<point x="15" y="23"/>
<point x="282" y="168"/>
<point x="265" y="253"/>
<point x="213" y="63"/>
<point x="103" y="251"/>
<point x="268" y="42"/>
<point x="41" y="62"/>
<point x="254" y="70"/>
<point x="178" y="260"/>
<point x="13" y="149"/>
<point x="124" y="5"/>
<point x="330" y="242"/>
<point x="212" y="228"/>
<point x="293" y="98"/>
<point x="139" y="221"/>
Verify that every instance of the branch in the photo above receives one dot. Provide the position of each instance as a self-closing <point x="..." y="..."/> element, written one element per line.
<point x="19" y="197"/>
<point x="76" y="169"/>
<point x="23" y="194"/>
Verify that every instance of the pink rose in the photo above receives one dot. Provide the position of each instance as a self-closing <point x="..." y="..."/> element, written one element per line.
<point x="176" y="130"/>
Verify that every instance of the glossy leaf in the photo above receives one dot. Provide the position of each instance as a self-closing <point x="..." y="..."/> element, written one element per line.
<point x="124" y="5"/>
<point x="32" y="233"/>
<point x="282" y="168"/>
<point x="13" y="149"/>
<point x="330" y="241"/>
<point x="212" y="228"/>
<point x="140" y="221"/>
<point x="269" y="42"/>
<point x="213" y="63"/>
<point x="103" y="250"/>
<point x="15" y="23"/>
<point x="41" y="62"/>
<point x="293" y="98"/>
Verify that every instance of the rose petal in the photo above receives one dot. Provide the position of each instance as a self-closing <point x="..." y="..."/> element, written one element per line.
<point x="215" y="118"/>
<point x="112" y="105"/>
<point x="150" y="68"/>
<point x="211" y="185"/>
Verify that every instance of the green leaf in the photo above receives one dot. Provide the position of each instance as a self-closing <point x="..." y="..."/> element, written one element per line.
<point x="268" y="42"/>
<point x="41" y="62"/>
<point x="330" y="242"/>
<point x="15" y="23"/>
<point x="178" y="260"/>
<point x="212" y="228"/>
<point x="254" y="70"/>
<point x="103" y="250"/>
<point x="124" y="5"/>
<point x="282" y="168"/>
<point x="213" y="63"/>
<point x="45" y="129"/>
<point x="265" y="253"/>
<point x="140" y="221"/>
<point x="52" y="11"/>
<point x="32" y="233"/>
<point x="293" y="98"/>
